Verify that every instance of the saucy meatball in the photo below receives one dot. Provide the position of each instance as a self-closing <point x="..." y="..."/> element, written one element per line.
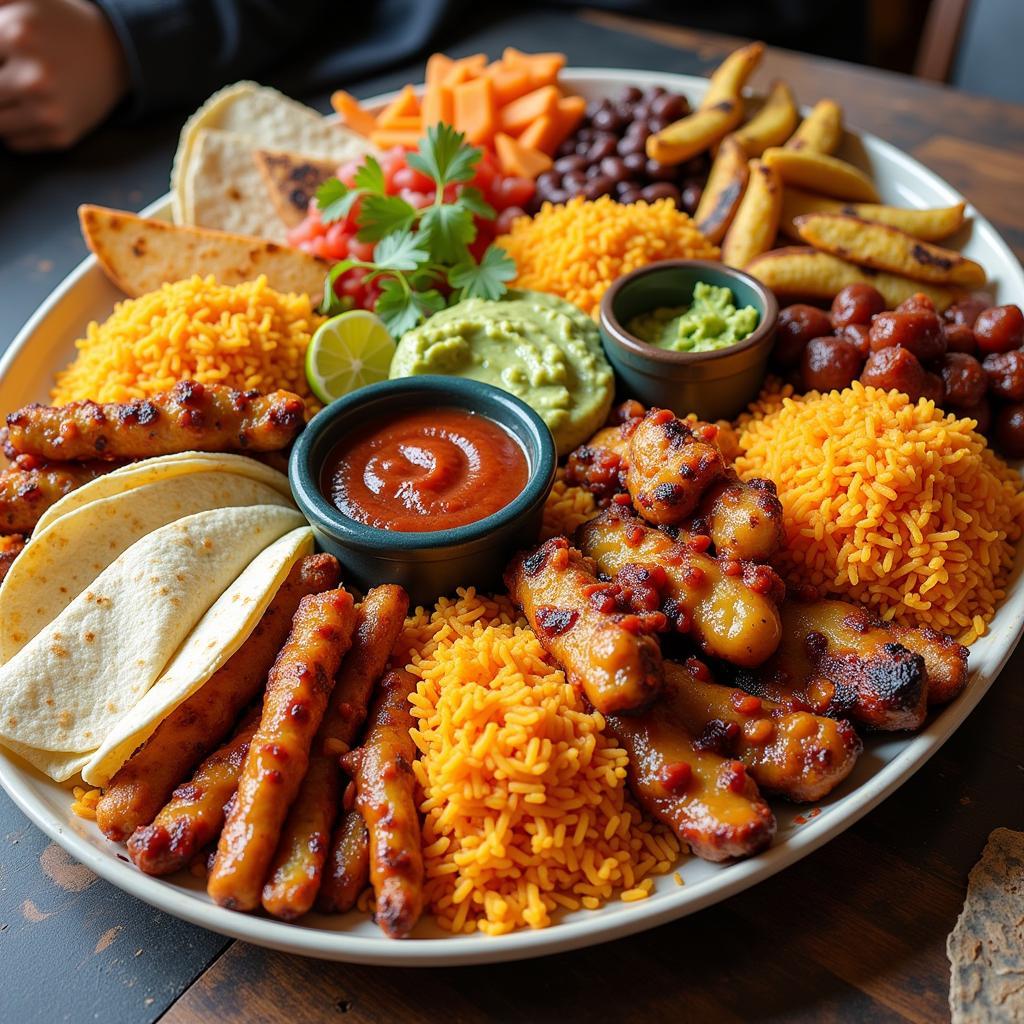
<point x="999" y="329"/>
<point x="895" y="369"/>
<point x="1009" y="430"/>
<point x="859" y="336"/>
<point x="980" y="413"/>
<point x="856" y="304"/>
<point x="963" y="379"/>
<point x="965" y="312"/>
<point x="830" y="364"/>
<point x="916" y="303"/>
<point x="1005" y="371"/>
<point x="959" y="338"/>
<point x="797" y="325"/>
<point x="917" y="330"/>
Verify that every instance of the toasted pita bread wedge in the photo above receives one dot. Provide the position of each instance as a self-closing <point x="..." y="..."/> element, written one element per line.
<point x="140" y="254"/>
<point x="292" y="179"/>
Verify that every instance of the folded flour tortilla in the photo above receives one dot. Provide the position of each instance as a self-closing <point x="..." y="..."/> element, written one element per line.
<point x="217" y="636"/>
<point x="63" y="692"/>
<point x="60" y="561"/>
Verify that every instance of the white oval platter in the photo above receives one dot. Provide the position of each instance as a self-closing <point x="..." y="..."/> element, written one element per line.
<point x="45" y="344"/>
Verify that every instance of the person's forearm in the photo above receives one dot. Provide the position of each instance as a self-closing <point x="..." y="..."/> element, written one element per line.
<point x="182" y="50"/>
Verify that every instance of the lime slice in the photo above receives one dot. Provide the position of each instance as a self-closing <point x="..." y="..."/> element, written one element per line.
<point x="347" y="352"/>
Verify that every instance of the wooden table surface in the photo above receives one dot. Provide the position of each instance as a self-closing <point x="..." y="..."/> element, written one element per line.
<point x="855" y="932"/>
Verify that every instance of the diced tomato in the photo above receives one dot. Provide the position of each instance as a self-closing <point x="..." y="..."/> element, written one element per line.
<point x="504" y="222"/>
<point x="512" y="192"/>
<point x="360" y="250"/>
<point x="417" y="200"/>
<point x="410" y="178"/>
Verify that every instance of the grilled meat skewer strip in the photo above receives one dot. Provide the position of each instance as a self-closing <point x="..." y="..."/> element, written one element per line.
<point x="198" y="724"/>
<point x="385" y="796"/>
<point x="30" y="486"/>
<point x="195" y="813"/>
<point x="189" y="417"/>
<point x="298" y="866"/>
<point x="796" y="754"/>
<point x="347" y="872"/>
<point x="11" y="546"/>
<point x="734" y="617"/>
<point x="579" y="621"/>
<point x="709" y="801"/>
<point x="298" y="689"/>
<point x="836" y="659"/>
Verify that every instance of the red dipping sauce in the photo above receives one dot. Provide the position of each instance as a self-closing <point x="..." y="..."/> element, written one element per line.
<point x="429" y="469"/>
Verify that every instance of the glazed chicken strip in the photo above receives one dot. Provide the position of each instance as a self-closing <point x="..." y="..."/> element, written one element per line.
<point x="347" y="872"/>
<point x="298" y="689"/>
<point x="578" y="620"/>
<point x="743" y="518"/>
<point x="297" y="870"/>
<point x="11" y="545"/>
<point x="709" y="801"/>
<point x="189" y="417"/>
<point x="836" y="659"/>
<point x="734" y="617"/>
<point x="385" y="796"/>
<point x="29" y="486"/>
<point x="796" y="754"/>
<point x="195" y="813"/>
<point x="945" y="661"/>
<point x="198" y="724"/>
<point x="671" y="465"/>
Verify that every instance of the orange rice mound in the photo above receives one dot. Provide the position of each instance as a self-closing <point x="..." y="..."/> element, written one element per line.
<point x="524" y="800"/>
<point x="892" y="503"/>
<point x="245" y="336"/>
<point x="577" y="249"/>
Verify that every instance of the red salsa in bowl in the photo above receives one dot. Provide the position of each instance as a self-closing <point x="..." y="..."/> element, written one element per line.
<point x="425" y="469"/>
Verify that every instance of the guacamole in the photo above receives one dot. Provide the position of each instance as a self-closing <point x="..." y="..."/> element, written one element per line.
<point x="711" y="321"/>
<point x="540" y="348"/>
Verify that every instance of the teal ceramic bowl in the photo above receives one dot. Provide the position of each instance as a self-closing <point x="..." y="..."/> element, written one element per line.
<point x="427" y="564"/>
<point x="712" y="385"/>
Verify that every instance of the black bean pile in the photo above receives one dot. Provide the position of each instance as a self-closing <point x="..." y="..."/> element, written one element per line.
<point x="969" y="361"/>
<point x="606" y="155"/>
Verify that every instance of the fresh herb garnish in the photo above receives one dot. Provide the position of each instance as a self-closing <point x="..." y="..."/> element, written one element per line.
<point x="418" y="250"/>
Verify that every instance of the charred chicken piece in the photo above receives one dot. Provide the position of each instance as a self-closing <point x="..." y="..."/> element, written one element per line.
<point x="29" y="486"/>
<point x="580" y="621"/>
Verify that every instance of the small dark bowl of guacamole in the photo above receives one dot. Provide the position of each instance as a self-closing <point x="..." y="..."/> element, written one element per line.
<point x="690" y="335"/>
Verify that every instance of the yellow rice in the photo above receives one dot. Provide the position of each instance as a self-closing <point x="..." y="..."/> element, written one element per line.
<point x="85" y="801"/>
<point x="245" y="336"/>
<point x="890" y="502"/>
<point x="523" y="796"/>
<point x="577" y="249"/>
<point x="566" y="508"/>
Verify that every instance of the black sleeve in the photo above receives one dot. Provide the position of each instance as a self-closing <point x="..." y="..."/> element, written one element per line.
<point x="179" y="51"/>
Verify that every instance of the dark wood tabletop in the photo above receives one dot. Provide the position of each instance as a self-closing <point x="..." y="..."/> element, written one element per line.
<point x="855" y="932"/>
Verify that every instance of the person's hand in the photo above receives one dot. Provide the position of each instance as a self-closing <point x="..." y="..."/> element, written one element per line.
<point x="62" y="70"/>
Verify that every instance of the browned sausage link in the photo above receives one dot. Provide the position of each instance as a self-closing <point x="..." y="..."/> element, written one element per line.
<point x="742" y="518"/>
<point x="29" y="486"/>
<point x="385" y="796"/>
<point x="11" y="545"/>
<point x="671" y="465"/>
<point x="600" y="465"/>
<point x="836" y="659"/>
<point x="195" y="813"/>
<point x="709" y="801"/>
<point x="198" y="724"/>
<point x="582" y="625"/>
<point x="348" y="865"/>
<point x="796" y="754"/>
<point x="298" y="689"/>
<point x="189" y="417"/>
<point x="296" y="873"/>
<point x="730" y="610"/>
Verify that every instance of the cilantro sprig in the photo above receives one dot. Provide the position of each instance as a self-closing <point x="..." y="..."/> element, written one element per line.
<point x="418" y="251"/>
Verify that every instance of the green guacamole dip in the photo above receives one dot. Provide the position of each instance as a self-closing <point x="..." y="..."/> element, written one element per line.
<point x="710" y="322"/>
<point x="540" y="348"/>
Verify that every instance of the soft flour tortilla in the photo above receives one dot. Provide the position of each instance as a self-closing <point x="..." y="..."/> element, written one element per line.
<point x="217" y="636"/>
<point x="267" y="118"/>
<point x="63" y="691"/>
<point x="224" y="188"/>
<point x="159" y="468"/>
<point x="141" y="254"/>
<point x="61" y="561"/>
